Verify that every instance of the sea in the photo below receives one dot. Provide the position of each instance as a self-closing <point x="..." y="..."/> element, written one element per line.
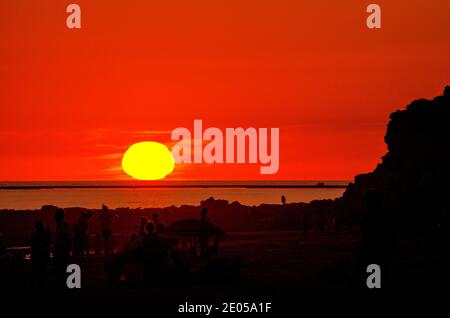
<point x="135" y="194"/>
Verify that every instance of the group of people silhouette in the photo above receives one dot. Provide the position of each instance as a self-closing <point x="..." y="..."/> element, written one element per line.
<point x="68" y="243"/>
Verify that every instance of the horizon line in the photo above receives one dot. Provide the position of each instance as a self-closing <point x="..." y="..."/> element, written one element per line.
<point x="141" y="184"/>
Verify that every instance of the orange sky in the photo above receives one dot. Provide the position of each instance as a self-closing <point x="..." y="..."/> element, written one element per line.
<point x="71" y="101"/>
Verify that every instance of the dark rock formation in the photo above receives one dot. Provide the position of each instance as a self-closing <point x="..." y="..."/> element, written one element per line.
<point x="414" y="173"/>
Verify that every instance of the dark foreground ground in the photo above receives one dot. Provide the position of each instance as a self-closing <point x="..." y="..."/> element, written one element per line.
<point x="274" y="264"/>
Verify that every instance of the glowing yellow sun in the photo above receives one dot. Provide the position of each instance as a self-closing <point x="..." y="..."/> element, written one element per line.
<point x="148" y="160"/>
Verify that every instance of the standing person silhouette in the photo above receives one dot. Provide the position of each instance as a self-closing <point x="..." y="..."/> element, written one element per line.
<point x="40" y="251"/>
<point x="105" y="219"/>
<point x="61" y="247"/>
<point x="204" y="214"/>
<point x="151" y="255"/>
<point x="155" y="218"/>
<point x="203" y="238"/>
<point x="80" y="235"/>
<point x="142" y="225"/>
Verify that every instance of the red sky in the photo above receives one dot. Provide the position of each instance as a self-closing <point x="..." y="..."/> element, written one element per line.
<point x="71" y="101"/>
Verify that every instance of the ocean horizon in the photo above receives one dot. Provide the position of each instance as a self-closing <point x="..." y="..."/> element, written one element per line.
<point x="32" y="195"/>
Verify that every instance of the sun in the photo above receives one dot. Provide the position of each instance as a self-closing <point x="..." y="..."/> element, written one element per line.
<point x="148" y="160"/>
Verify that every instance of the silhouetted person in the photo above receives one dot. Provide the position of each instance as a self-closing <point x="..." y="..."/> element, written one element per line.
<point x="116" y="264"/>
<point x="283" y="200"/>
<point x="178" y="270"/>
<point x="150" y="255"/>
<point x="160" y="228"/>
<point x="322" y="224"/>
<point x="7" y="268"/>
<point x="155" y="218"/>
<point x="378" y="236"/>
<point x="80" y="235"/>
<point x="164" y="249"/>
<point x="40" y="250"/>
<point x="203" y="214"/>
<point x="105" y="219"/>
<point x="98" y="243"/>
<point x="130" y="246"/>
<point x="61" y="246"/>
<point x="203" y="238"/>
<point x="142" y="224"/>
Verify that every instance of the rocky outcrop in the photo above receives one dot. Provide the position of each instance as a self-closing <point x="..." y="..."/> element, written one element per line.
<point x="414" y="173"/>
